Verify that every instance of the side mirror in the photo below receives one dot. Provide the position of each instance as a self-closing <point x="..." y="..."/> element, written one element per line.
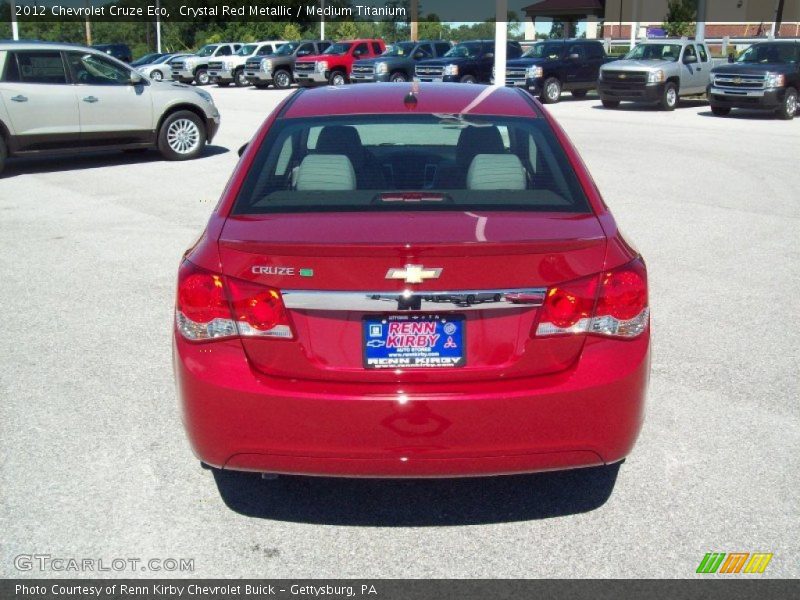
<point x="137" y="79"/>
<point x="489" y="55"/>
<point x="731" y="57"/>
<point x="574" y="56"/>
<point x="689" y="60"/>
<point x="242" y="148"/>
<point x="419" y="55"/>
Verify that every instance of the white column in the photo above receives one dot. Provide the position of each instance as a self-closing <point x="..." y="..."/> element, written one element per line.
<point x="158" y="26"/>
<point x="634" y="22"/>
<point x="500" y="41"/>
<point x="530" y="29"/>
<point x="322" y="22"/>
<point x="14" y="24"/>
<point x="700" y="31"/>
<point x="591" y="27"/>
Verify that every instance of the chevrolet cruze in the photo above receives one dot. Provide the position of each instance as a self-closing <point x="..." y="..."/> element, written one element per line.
<point x="409" y="281"/>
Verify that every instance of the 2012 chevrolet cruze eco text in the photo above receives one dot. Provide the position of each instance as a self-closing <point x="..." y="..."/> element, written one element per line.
<point x="409" y="281"/>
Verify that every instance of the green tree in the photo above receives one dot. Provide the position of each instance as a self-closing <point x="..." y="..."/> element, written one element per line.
<point x="680" y="18"/>
<point x="346" y="30"/>
<point x="291" y="32"/>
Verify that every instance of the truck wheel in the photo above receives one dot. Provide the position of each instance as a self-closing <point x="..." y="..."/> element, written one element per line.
<point x="240" y="79"/>
<point x="398" y="77"/>
<point x="201" y="77"/>
<point x="669" y="99"/>
<point x="283" y="79"/>
<point x="337" y="78"/>
<point x="468" y="79"/>
<point x="3" y="154"/>
<point x="789" y="106"/>
<point x="721" y="111"/>
<point x="551" y="91"/>
<point x="610" y="103"/>
<point x="579" y="93"/>
<point x="182" y="136"/>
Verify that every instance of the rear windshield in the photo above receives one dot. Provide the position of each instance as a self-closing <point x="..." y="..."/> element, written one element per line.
<point x="410" y="162"/>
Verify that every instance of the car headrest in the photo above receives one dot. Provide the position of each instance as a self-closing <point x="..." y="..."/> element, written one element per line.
<point x="496" y="172"/>
<point x="475" y="140"/>
<point x="341" y="139"/>
<point x="325" y="172"/>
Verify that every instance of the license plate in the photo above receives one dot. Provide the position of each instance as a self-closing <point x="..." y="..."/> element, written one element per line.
<point x="431" y="79"/>
<point x="414" y="341"/>
<point x="301" y="75"/>
<point x="213" y="73"/>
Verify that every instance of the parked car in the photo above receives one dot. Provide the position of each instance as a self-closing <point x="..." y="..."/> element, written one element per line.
<point x="277" y="69"/>
<point x="549" y="68"/>
<point x="161" y="68"/>
<point x="148" y="59"/>
<point x="307" y="335"/>
<point x="194" y="68"/>
<point x="765" y="77"/>
<point x="467" y="62"/>
<point x="397" y="63"/>
<point x="658" y="72"/>
<point x="118" y="51"/>
<point x="333" y="66"/>
<point x="62" y="97"/>
<point x="231" y="70"/>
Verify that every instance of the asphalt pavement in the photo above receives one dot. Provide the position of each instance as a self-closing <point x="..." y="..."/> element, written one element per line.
<point x="95" y="463"/>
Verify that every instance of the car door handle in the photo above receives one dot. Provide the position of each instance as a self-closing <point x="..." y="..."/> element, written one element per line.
<point x="20" y="98"/>
<point x="90" y="99"/>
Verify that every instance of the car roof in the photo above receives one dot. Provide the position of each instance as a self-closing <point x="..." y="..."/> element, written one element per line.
<point x="448" y="98"/>
<point x="39" y="45"/>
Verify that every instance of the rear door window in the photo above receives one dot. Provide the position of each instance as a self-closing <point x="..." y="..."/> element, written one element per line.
<point x="376" y="48"/>
<point x="703" y="54"/>
<point x="442" y="49"/>
<point x="36" y="66"/>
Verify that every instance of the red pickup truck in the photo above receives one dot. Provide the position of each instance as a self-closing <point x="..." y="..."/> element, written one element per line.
<point x="334" y="65"/>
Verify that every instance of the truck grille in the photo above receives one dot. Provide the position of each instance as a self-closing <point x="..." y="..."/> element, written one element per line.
<point x="515" y="74"/>
<point x="739" y="82"/>
<point x="363" y="69"/>
<point x="253" y="64"/>
<point x="304" y="67"/>
<point x="215" y="65"/>
<point x="429" y="71"/>
<point x="177" y="66"/>
<point x="636" y="77"/>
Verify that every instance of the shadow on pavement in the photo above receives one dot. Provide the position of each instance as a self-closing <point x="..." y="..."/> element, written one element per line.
<point x="648" y="107"/>
<point x="417" y="502"/>
<point x="54" y="163"/>
<point x="745" y="114"/>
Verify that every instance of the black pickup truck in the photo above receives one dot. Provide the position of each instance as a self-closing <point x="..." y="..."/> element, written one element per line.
<point x="397" y="63"/>
<point x="467" y="62"/>
<point x="766" y="76"/>
<point x="547" y="68"/>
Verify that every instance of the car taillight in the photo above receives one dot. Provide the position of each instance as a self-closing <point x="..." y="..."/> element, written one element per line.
<point x="210" y="306"/>
<point x="613" y="303"/>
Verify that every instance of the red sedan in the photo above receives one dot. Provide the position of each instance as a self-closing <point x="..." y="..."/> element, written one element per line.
<point x="410" y="281"/>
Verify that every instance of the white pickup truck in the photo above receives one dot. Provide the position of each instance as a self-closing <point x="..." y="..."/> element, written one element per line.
<point x="659" y="72"/>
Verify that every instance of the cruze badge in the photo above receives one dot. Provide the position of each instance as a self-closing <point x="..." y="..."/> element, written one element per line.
<point x="413" y="273"/>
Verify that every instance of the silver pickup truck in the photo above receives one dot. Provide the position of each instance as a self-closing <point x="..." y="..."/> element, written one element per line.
<point x="659" y="72"/>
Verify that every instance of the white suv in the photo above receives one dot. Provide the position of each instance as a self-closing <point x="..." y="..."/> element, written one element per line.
<point x="229" y="70"/>
<point x="57" y="97"/>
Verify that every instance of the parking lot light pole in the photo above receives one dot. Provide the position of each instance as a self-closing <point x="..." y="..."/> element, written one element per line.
<point x="322" y="21"/>
<point x="14" y="24"/>
<point x="158" y="26"/>
<point x="500" y="41"/>
<point x="700" y="30"/>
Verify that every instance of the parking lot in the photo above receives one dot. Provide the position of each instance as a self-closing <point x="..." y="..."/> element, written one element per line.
<point x="96" y="463"/>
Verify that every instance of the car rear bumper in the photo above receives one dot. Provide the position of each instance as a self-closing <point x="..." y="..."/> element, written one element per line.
<point x="770" y="99"/>
<point x="651" y="92"/>
<point x="212" y="127"/>
<point x="239" y="418"/>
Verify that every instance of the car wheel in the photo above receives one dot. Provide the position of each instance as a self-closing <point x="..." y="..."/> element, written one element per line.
<point x="551" y="91"/>
<point x="157" y="75"/>
<point x="610" y="103"/>
<point x="182" y="136"/>
<point x="337" y="78"/>
<point x="468" y="79"/>
<point x="398" y="77"/>
<point x="201" y="77"/>
<point x="669" y="99"/>
<point x="283" y="79"/>
<point x="579" y="93"/>
<point x="240" y="79"/>
<point x="789" y="107"/>
<point x="3" y="154"/>
<point x="721" y="111"/>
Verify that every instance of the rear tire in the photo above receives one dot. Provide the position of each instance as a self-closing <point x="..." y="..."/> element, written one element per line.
<point x="669" y="99"/>
<point x="468" y="79"/>
<point x="240" y="79"/>
<point x="579" y="93"/>
<point x="788" y="109"/>
<point x="3" y="154"/>
<point x="282" y="79"/>
<point x="201" y="77"/>
<point x="721" y="111"/>
<point x="551" y="91"/>
<point x="182" y="136"/>
<point x="610" y="103"/>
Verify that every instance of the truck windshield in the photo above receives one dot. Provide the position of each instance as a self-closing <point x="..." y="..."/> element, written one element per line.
<point x="246" y="50"/>
<point x="546" y="50"/>
<point x="465" y="50"/>
<point x="286" y="49"/>
<point x="401" y="49"/>
<point x="771" y="53"/>
<point x="410" y="162"/>
<point x="668" y="52"/>
<point x="338" y="48"/>
<point x="206" y="50"/>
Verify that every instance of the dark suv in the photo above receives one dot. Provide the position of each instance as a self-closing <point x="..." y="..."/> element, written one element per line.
<point x="766" y="76"/>
<point x="467" y="62"/>
<point x="397" y="63"/>
<point x="277" y="69"/>
<point x="119" y="51"/>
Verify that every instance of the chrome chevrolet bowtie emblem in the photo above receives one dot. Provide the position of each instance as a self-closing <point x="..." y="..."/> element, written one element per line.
<point x="413" y="273"/>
